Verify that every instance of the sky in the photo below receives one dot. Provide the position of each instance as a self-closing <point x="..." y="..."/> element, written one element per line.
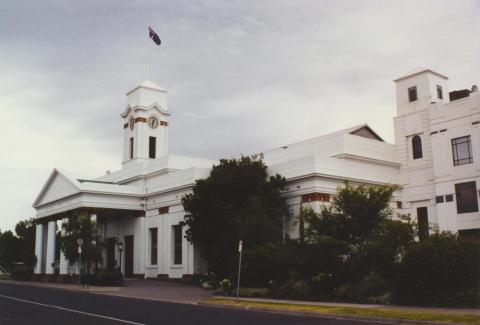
<point x="242" y="76"/>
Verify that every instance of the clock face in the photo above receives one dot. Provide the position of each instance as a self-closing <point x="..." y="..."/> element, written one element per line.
<point x="152" y="122"/>
<point x="131" y="123"/>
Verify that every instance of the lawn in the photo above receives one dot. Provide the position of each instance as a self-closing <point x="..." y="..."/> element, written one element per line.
<point x="352" y="311"/>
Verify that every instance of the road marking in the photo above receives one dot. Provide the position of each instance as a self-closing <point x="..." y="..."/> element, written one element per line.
<point x="73" y="310"/>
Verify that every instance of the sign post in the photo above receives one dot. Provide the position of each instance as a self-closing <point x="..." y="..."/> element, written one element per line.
<point x="240" y="244"/>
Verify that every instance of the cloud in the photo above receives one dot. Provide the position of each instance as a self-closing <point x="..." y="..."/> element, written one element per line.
<point x="242" y="77"/>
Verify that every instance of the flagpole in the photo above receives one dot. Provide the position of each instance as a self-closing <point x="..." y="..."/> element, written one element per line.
<point x="148" y="54"/>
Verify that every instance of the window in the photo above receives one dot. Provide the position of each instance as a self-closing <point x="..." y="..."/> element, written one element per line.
<point x="439" y="199"/>
<point x="462" y="151"/>
<point x="153" y="245"/>
<point x="449" y="198"/>
<point x="399" y="204"/>
<point x="412" y="94"/>
<point x="177" y="244"/>
<point x="131" y="148"/>
<point x="152" y="146"/>
<point x="466" y="194"/>
<point x="163" y="210"/>
<point x="422" y="219"/>
<point x="417" y="147"/>
<point x="439" y="92"/>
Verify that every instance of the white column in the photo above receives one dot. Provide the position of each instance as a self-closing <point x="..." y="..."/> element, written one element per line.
<point x="63" y="259"/>
<point x="50" y="248"/>
<point x="39" y="248"/>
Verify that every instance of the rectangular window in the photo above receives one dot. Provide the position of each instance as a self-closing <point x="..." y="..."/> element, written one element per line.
<point x="412" y="94"/>
<point x="153" y="245"/>
<point x="131" y="148"/>
<point x="152" y="147"/>
<point x="449" y="198"/>
<point x="439" y="199"/>
<point x="439" y="92"/>
<point x="177" y="244"/>
<point x="163" y="210"/>
<point x="466" y="194"/>
<point x="399" y="204"/>
<point x="462" y="151"/>
<point x="422" y="219"/>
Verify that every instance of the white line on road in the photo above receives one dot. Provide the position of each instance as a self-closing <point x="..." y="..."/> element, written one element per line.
<point x="72" y="310"/>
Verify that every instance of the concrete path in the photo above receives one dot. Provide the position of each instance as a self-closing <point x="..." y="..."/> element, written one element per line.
<point x="134" y="288"/>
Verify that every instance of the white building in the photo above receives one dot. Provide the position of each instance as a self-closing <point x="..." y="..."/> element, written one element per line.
<point x="435" y="160"/>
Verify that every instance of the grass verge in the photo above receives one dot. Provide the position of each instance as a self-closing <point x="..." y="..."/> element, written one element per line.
<point x="351" y="311"/>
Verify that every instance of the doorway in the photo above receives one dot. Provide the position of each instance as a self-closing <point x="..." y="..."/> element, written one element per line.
<point x="129" y="255"/>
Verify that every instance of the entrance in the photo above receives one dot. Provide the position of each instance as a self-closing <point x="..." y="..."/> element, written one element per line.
<point x="129" y="255"/>
<point x="110" y="254"/>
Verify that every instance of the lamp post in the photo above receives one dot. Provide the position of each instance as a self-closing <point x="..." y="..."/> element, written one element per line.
<point x="79" y="243"/>
<point x="120" y="249"/>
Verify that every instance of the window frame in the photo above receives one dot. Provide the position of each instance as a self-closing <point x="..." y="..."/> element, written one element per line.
<point x="412" y="94"/>
<point x="439" y="92"/>
<point x="153" y="232"/>
<point x="455" y="143"/>
<point x="461" y="196"/>
<point x="177" y="244"/>
<point x="152" y="147"/>
<point x="417" y="147"/>
<point x="131" y="147"/>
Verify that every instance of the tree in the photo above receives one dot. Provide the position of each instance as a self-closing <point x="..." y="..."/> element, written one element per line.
<point x="360" y="217"/>
<point x="238" y="201"/>
<point x="8" y="249"/>
<point x="81" y="226"/>
<point x="25" y="231"/>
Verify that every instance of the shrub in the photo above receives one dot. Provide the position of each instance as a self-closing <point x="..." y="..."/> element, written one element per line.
<point x="225" y="285"/>
<point x="22" y="273"/>
<point x="104" y="278"/>
<point x="441" y="271"/>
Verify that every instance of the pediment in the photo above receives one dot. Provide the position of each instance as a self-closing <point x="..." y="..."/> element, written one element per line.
<point x="57" y="187"/>
<point x="366" y="132"/>
<point x="154" y="106"/>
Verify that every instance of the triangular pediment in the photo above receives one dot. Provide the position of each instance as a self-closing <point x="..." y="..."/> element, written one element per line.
<point x="366" y="132"/>
<point x="57" y="187"/>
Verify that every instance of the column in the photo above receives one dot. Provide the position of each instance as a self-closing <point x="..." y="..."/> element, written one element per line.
<point x="50" y="260"/>
<point x="63" y="260"/>
<point x="38" y="248"/>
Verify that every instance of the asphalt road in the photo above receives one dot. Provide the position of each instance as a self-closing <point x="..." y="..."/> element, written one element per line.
<point x="36" y="305"/>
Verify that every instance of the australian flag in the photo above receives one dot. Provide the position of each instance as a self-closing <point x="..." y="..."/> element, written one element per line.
<point x="154" y="36"/>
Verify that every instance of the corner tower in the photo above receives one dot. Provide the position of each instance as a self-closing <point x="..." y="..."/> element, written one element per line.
<point x="145" y="123"/>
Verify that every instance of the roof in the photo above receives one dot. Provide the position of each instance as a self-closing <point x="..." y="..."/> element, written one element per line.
<point x="148" y="84"/>
<point x="417" y="71"/>
<point x="59" y="186"/>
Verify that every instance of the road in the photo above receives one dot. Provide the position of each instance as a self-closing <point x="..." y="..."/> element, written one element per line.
<point x="36" y="305"/>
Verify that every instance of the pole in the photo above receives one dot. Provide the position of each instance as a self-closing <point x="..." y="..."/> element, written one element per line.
<point x="147" y="77"/>
<point x="240" y="244"/>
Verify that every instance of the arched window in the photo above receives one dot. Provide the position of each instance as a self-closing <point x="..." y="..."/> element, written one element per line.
<point x="417" y="147"/>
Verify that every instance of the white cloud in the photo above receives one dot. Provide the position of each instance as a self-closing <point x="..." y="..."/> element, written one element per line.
<point x="242" y="76"/>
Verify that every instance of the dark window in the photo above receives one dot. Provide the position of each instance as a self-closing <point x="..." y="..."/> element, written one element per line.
<point x="152" y="147"/>
<point x="177" y="244"/>
<point x="163" y="210"/>
<point x="153" y="245"/>
<point x="399" y="204"/>
<point x="417" y="147"/>
<point x="422" y="218"/>
<point x="412" y="94"/>
<point x="439" y="92"/>
<point x="439" y="199"/>
<point x="449" y="198"/>
<point x="462" y="151"/>
<point x="131" y="148"/>
<point x="466" y="194"/>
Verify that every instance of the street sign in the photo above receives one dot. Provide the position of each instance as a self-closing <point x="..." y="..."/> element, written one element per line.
<point x="240" y="244"/>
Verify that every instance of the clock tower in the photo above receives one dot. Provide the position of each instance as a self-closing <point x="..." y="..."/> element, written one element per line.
<point x="145" y="123"/>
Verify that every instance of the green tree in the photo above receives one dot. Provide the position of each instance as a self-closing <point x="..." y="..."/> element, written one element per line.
<point x="8" y="249"/>
<point x="25" y="231"/>
<point x="238" y="201"/>
<point x="81" y="226"/>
